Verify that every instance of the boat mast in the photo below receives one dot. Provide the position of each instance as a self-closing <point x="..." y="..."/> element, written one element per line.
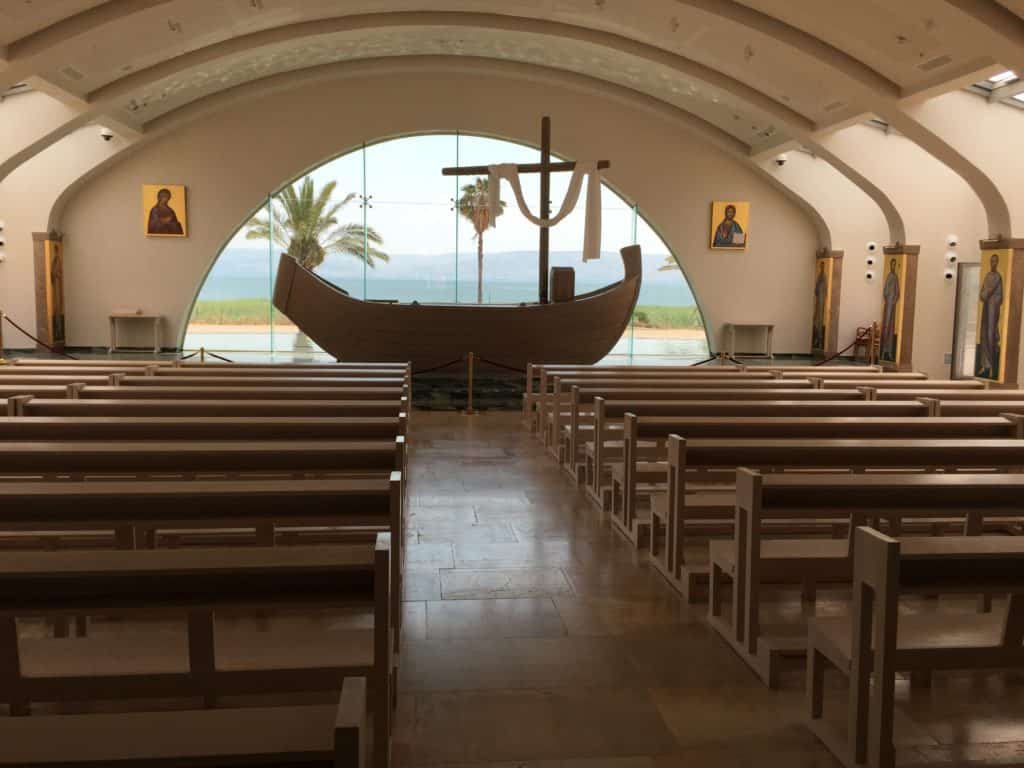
<point x="545" y="168"/>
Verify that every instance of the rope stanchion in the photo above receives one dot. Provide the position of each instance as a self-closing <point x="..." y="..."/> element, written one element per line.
<point x="470" y="359"/>
<point x="2" y="361"/>
<point x="4" y="316"/>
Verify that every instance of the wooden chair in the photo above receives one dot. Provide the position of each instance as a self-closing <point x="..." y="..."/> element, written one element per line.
<point x="866" y="340"/>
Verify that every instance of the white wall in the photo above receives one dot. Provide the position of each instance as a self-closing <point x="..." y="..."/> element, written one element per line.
<point x="231" y="159"/>
<point x="854" y="220"/>
<point x="26" y="197"/>
<point x="934" y="202"/>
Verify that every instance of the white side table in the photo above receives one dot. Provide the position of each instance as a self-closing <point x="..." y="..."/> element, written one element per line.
<point x="154" y="319"/>
<point x="767" y="328"/>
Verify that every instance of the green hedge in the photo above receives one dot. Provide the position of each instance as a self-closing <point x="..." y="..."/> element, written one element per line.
<point x="257" y="312"/>
<point x="648" y="316"/>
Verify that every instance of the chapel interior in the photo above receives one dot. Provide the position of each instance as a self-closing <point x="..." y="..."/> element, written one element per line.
<point x="521" y="384"/>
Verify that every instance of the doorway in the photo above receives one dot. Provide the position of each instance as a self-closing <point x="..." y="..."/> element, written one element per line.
<point x="965" y="326"/>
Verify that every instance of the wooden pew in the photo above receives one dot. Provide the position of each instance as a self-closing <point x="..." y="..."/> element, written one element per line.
<point x="539" y="377"/>
<point x="978" y="395"/>
<point x="164" y="407"/>
<point x="109" y="428"/>
<point x="883" y="382"/>
<point x="259" y="381"/>
<point x="53" y="381"/>
<point x="975" y="407"/>
<point x="651" y="460"/>
<point x="29" y="362"/>
<point x="753" y="559"/>
<point x="549" y="405"/>
<point x="52" y="392"/>
<point x="848" y="372"/>
<point x="140" y="513"/>
<point x="194" y="586"/>
<point x="241" y="393"/>
<point x="315" y="735"/>
<point x="805" y="369"/>
<point x="609" y="414"/>
<point x="558" y="409"/>
<point x="877" y="641"/>
<point x="675" y="508"/>
<point x="189" y="458"/>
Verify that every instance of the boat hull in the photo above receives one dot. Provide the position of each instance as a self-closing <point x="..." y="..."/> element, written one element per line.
<point x="581" y="331"/>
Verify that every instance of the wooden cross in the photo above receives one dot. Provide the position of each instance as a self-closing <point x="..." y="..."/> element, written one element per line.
<point x="545" y="168"/>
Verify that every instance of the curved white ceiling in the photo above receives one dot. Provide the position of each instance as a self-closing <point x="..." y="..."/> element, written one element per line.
<point x="761" y="71"/>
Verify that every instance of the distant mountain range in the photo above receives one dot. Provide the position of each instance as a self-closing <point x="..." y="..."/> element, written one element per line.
<point x="499" y="266"/>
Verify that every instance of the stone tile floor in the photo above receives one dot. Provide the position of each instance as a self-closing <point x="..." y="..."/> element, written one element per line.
<point x="536" y="636"/>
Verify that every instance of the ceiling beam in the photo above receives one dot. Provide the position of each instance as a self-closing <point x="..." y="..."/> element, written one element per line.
<point x="23" y="56"/>
<point x="879" y="98"/>
<point x="266" y="86"/>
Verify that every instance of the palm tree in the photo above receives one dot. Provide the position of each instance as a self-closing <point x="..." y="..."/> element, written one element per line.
<point x="474" y="205"/>
<point x="304" y="223"/>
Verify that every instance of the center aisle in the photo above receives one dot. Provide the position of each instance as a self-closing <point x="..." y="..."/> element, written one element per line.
<point x="533" y="633"/>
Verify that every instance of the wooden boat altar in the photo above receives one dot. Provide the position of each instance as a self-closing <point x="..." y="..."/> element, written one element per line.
<point x="580" y="331"/>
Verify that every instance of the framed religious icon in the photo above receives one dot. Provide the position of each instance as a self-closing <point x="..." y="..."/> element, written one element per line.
<point x="893" y="295"/>
<point x="993" y="313"/>
<point x="164" y="210"/>
<point x="730" y="225"/>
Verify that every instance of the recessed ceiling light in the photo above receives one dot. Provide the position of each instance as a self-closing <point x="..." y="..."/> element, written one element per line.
<point x="1003" y="77"/>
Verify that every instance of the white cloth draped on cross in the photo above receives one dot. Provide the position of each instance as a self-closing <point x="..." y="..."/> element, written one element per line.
<point x="592" y="222"/>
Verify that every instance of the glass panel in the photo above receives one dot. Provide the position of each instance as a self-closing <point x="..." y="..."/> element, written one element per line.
<point x="668" y="321"/>
<point x="412" y="215"/>
<point x="232" y="311"/>
<point x="965" y="326"/>
<point x="422" y="245"/>
<point x="510" y="247"/>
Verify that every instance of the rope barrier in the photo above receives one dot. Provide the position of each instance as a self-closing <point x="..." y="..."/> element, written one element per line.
<point x="501" y="365"/>
<point x="704" y="362"/>
<point x="837" y="354"/>
<point x="219" y="357"/>
<point x="40" y="342"/>
<point x="189" y="357"/>
<point x="439" y="367"/>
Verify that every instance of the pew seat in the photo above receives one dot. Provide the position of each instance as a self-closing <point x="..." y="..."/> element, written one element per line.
<point x="295" y="735"/>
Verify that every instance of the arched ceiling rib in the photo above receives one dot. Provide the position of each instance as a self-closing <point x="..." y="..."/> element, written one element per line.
<point x="267" y="86"/>
<point x="788" y="67"/>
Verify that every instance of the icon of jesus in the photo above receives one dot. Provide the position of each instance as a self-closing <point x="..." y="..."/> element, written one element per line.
<point x="729" y="233"/>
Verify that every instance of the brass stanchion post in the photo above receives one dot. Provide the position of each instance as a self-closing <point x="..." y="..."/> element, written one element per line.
<point x="470" y="358"/>
<point x="202" y="354"/>
<point x="2" y="361"/>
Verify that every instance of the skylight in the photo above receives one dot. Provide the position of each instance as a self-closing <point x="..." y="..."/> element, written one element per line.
<point x="1003" y="77"/>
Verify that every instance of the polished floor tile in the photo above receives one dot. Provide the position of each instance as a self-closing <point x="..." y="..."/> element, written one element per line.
<point x="536" y="637"/>
<point x="512" y="617"/>
<point x="506" y="582"/>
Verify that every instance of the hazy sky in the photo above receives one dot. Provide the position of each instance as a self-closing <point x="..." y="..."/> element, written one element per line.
<point x="411" y="202"/>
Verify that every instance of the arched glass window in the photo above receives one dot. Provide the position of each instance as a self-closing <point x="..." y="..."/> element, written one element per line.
<point x="397" y="232"/>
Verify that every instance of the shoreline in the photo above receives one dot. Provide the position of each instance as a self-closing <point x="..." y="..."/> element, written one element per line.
<point x="240" y="328"/>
